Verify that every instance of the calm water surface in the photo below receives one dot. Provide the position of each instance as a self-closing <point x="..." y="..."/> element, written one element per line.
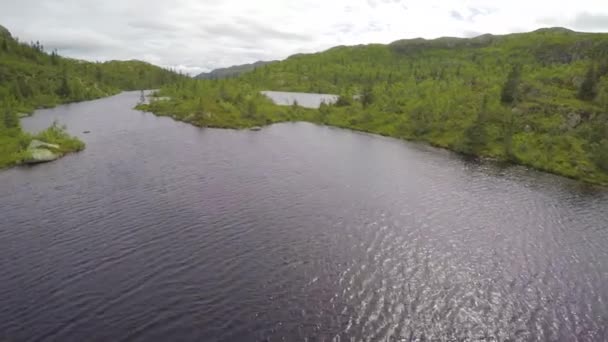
<point x="160" y="231"/>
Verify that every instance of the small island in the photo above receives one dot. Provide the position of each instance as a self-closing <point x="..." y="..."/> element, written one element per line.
<point x="18" y="147"/>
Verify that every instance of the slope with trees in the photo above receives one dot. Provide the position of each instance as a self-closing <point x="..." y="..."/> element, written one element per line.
<point x="32" y="78"/>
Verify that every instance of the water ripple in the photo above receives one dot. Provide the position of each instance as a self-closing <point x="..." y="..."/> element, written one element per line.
<point x="163" y="231"/>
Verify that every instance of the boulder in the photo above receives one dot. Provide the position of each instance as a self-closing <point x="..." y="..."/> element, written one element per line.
<point x="161" y="98"/>
<point x="40" y="155"/>
<point x="34" y="144"/>
<point x="516" y="111"/>
<point x="41" y="152"/>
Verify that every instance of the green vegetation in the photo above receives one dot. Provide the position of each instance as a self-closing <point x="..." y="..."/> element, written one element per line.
<point x="57" y="135"/>
<point x="32" y="78"/>
<point x="14" y="143"/>
<point x="222" y="104"/>
<point x="538" y="98"/>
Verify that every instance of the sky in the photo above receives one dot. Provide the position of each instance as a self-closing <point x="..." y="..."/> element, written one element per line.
<point x="200" y="35"/>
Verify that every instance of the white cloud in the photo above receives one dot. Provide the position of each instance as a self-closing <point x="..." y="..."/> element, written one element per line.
<point x="198" y="35"/>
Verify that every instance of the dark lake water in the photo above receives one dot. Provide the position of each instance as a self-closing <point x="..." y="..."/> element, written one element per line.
<point x="160" y="231"/>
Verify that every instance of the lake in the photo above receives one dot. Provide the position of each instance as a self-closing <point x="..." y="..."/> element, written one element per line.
<point x="161" y="231"/>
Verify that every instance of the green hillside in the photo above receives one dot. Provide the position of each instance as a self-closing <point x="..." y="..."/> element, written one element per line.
<point x="32" y="78"/>
<point x="538" y="98"/>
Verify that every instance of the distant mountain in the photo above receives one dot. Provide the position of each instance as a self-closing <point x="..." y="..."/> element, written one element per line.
<point x="232" y="71"/>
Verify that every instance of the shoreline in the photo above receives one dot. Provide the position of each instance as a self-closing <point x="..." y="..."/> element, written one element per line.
<point x="586" y="180"/>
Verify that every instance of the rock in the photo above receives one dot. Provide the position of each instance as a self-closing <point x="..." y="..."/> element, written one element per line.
<point x="41" y="152"/>
<point x="40" y="155"/>
<point x="577" y="81"/>
<point x="516" y="111"/>
<point x="86" y="132"/>
<point x="161" y="98"/>
<point x="533" y="92"/>
<point x="255" y="128"/>
<point x="41" y="144"/>
<point x="572" y="120"/>
<point x="35" y="144"/>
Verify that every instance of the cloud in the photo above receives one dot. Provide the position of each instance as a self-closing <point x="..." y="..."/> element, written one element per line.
<point x="198" y="35"/>
<point x="588" y="21"/>
<point x="472" y="34"/>
<point x="245" y="29"/>
<point x="456" y="15"/>
<point x="583" y="21"/>
<point x="152" y="25"/>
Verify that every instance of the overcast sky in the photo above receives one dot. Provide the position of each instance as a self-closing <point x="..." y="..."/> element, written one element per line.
<point x="199" y="35"/>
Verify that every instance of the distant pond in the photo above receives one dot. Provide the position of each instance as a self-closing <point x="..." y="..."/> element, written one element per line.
<point x="308" y="100"/>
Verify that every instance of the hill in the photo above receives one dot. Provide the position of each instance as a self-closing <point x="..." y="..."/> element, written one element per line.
<point x="538" y="98"/>
<point x="31" y="78"/>
<point x="232" y="71"/>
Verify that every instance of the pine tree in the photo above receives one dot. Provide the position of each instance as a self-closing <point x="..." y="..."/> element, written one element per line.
<point x="601" y="155"/>
<point x="64" y="90"/>
<point x="251" y="110"/>
<point x="201" y="106"/>
<point x="587" y="91"/>
<point x="367" y="98"/>
<point x="602" y="94"/>
<point x="10" y="118"/>
<point x="17" y="91"/>
<point x="509" y="90"/>
<point x="54" y="60"/>
<point x="475" y="135"/>
<point x="343" y="101"/>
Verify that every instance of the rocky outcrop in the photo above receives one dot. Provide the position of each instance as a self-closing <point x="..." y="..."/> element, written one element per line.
<point x="41" y="152"/>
